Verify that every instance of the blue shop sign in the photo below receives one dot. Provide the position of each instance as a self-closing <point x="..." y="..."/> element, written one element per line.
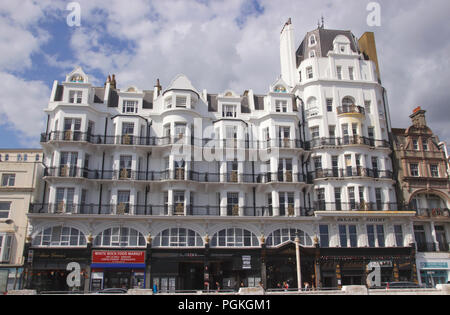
<point x="434" y="265"/>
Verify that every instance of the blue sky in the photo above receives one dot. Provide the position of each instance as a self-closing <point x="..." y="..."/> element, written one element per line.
<point x="219" y="45"/>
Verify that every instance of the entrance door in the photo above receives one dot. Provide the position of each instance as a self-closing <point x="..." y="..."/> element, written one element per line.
<point x="118" y="279"/>
<point x="192" y="276"/>
<point x="165" y="284"/>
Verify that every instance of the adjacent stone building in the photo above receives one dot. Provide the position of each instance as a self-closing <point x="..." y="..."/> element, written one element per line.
<point x="20" y="172"/>
<point x="424" y="186"/>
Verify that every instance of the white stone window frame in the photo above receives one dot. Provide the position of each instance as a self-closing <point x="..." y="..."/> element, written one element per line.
<point x="434" y="170"/>
<point x="229" y="110"/>
<point x="130" y="106"/>
<point x="416" y="171"/>
<point x="6" y="245"/>
<point x="315" y="132"/>
<point x="168" y="102"/>
<point x="312" y="41"/>
<point x="281" y="106"/>
<point x="351" y="73"/>
<point x="377" y="235"/>
<point x="398" y="234"/>
<point x="8" y="180"/>
<point x="309" y="73"/>
<point x="75" y="96"/>
<point x="348" y="235"/>
<point x="4" y="213"/>
<point x="339" y="72"/>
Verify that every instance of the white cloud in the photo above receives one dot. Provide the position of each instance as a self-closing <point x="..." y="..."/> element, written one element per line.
<point x="142" y="40"/>
<point x="22" y="107"/>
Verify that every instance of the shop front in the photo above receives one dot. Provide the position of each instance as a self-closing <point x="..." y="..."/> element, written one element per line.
<point x="178" y="270"/>
<point x="112" y="269"/>
<point x="350" y="266"/>
<point x="232" y="269"/>
<point x="10" y="278"/>
<point x="281" y="264"/>
<point x="47" y="269"/>
<point x="433" y="271"/>
<point x="205" y="269"/>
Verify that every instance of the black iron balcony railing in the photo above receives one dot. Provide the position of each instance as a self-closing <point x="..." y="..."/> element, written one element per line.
<point x="350" y="172"/>
<point x="432" y="247"/>
<point x="78" y="136"/>
<point x="348" y="140"/>
<point x="65" y="171"/>
<point x="63" y="208"/>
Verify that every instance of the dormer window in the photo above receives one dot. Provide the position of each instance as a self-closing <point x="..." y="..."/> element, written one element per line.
<point x="75" y="97"/>
<point x="130" y="107"/>
<point x="281" y="106"/>
<point x="229" y="111"/>
<point x="312" y="40"/>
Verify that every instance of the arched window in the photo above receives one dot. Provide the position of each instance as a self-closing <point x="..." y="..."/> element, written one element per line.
<point x="60" y="236"/>
<point x="120" y="237"/>
<point x="348" y="101"/>
<point x="312" y="40"/>
<point x="282" y="236"/>
<point x="178" y="237"/>
<point x="312" y="54"/>
<point x="234" y="238"/>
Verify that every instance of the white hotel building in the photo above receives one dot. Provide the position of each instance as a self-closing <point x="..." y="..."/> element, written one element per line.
<point x="140" y="171"/>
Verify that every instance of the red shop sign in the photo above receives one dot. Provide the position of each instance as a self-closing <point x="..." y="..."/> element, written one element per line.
<point x="118" y="257"/>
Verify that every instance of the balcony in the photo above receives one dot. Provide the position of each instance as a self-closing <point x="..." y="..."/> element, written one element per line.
<point x="350" y="172"/>
<point x="433" y="213"/>
<point x="158" y="210"/>
<point x="178" y="175"/>
<point x="351" y="109"/>
<point x="348" y="140"/>
<point x="130" y="140"/>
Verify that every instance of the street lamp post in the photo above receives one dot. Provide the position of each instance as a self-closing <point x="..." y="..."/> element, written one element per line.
<point x="299" y="270"/>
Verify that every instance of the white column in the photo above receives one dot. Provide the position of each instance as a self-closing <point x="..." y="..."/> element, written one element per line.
<point x="297" y="203"/>
<point x="223" y="204"/>
<point x="187" y="201"/>
<point x="241" y="203"/>
<point x="223" y="171"/>
<point x="170" y="201"/>
<point x="433" y="233"/>
<point x="275" y="203"/>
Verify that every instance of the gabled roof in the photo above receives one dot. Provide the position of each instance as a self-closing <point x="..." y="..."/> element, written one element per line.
<point x="181" y="82"/>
